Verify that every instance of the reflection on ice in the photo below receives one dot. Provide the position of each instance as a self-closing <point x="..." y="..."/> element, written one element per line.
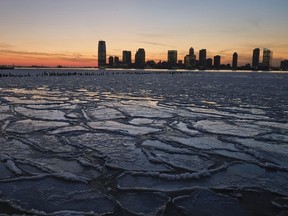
<point x="41" y="114"/>
<point x="104" y="113"/>
<point x="119" y="127"/>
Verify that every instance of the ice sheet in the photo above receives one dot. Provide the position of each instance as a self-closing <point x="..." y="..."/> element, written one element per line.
<point x="128" y="142"/>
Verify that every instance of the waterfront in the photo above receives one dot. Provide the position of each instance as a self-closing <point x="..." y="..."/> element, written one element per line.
<point x="126" y="142"/>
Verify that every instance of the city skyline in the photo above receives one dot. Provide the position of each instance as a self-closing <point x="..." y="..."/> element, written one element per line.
<point x="67" y="32"/>
<point x="190" y="61"/>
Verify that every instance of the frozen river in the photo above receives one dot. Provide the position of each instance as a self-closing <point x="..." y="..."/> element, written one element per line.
<point x="138" y="143"/>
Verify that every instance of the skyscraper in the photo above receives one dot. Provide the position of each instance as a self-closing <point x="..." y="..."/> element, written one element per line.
<point x="267" y="59"/>
<point x="111" y="61"/>
<point x="101" y="54"/>
<point x="140" y="58"/>
<point x="255" y="59"/>
<point x="116" y="61"/>
<point x="235" y="61"/>
<point x="172" y="57"/>
<point x="217" y="61"/>
<point x="190" y="61"/>
<point x="209" y="63"/>
<point x="191" y="51"/>
<point x="126" y="57"/>
<point x="202" y="59"/>
<point x="284" y="65"/>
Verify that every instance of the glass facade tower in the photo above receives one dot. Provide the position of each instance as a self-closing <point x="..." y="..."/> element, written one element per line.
<point x="101" y="54"/>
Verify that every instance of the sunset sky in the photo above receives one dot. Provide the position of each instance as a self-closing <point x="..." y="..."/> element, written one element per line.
<point x="66" y="32"/>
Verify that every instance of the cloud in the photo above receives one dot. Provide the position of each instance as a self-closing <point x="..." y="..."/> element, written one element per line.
<point x="5" y="46"/>
<point x="77" y="55"/>
<point x="227" y="51"/>
<point x="151" y="35"/>
<point x="42" y="56"/>
<point x="26" y="53"/>
<point x="153" y="43"/>
<point x="267" y="45"/>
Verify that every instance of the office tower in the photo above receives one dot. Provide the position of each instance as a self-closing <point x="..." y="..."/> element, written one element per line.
<point x="217" y="61"/>
<point x="255" y="59"/>
<point x="202" y="59"/>
<point x="101" y="54"/>
<point x="235" y="61"/>
<point x="193" y="61"/>
<point x="172" y="57"/>
<point x="187" y="61"/>
<point x="191" y="51"/>
<point x="267" y="59"/>
<point x="111" y="61"/>
<point x="116" y="60"/>
<point x="126" y="57"/>
<point x="209" y="63"/>
<point x="284" y="65"/>
<point x="140" y="58"/>
<point x="191" y="64"/>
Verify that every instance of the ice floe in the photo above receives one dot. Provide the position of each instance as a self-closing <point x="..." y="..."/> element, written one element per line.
<point x="28" y="126"/>
<point x="41" y="114"/>
<point x="104" y="113"/>
<point x="56" y="196"/>
<point x="144" y="111"/>
<point x="120" y="152"/>
<point x="144" y="203"/>
<point x="11" y="166"/>
<point x="206" y="202"/>
<point x="236" y="176"/>
<point x="122" y="128"/>
<point x="201" y="142"/>
<point x="241" y="129"/>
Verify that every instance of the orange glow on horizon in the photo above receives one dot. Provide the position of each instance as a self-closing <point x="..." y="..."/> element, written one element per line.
<point x="78" y="60"/>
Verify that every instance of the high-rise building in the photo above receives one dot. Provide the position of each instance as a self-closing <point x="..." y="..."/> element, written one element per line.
<point x="187" y="61"/>
<point x="190" y="61"/>
<point x="217" y="61"/>
<point x="116" y="61"/>
<point x="172" y="57"/>
<point x="209" y="63"/>
<point x="126" y="57"/>
<point x="101" y="53"/>
<point x="267" y="59"/>
<point x="140" y="58"/>
<point x="284" y="65"/>
<point x="202" y="59"/>
<point x="191" y="51"/>
<point x="255" y="59"/>
<point x="111" y="61"/>
<point x="235" y="61"/>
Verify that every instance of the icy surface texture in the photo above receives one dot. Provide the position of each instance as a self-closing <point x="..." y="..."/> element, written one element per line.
<point x="203" y="202"/>
<point x="143" y="143"/>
